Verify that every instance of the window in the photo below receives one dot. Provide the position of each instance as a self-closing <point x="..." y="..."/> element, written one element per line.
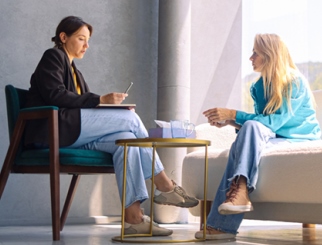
<point x="298" y="23"/>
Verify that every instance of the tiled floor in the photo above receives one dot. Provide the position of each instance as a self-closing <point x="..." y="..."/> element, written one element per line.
<point x="250" y="233"/>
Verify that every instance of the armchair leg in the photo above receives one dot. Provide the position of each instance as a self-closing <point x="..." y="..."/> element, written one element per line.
<point x="55" y="205"/>
<point x="308" y="234"/>
<point x="4" y="175"/>
<point x="69" y="198"/>
<point x="54" y="174"/>
<point x="11" y="153"/>
<point x="304" y="225"/>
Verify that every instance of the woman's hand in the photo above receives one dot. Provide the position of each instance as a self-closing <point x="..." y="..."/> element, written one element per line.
<point x="220" y="117"/>
<point x="113" y="98"/>
<point x="219" y="124"/>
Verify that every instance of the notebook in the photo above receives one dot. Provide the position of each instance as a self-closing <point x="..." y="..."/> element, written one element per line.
<point x="117" y="106"/>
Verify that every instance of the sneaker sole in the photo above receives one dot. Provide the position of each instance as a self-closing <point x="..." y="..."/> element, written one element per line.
<point x="228" y="209"/>
<point x="143" y="228"/>
<point x="154" y="233"/>
<point x="182" y="205"/>
<point x="215" y="236"/>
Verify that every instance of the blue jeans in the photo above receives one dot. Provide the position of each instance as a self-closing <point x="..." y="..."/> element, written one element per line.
<point x="99" y="130"/>
<point x="244" y="157"/>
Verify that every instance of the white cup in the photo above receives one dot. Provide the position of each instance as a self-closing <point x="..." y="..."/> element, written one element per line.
<point x="181" y="129"/>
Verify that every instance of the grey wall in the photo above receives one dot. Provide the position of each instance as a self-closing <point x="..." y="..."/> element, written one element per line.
<point x="123" y="48"/>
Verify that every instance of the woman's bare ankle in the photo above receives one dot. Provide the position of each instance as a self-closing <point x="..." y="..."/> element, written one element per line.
<point x="133" y="214"/>
<point x="163" y="183"/>
<point x="134" y="220"/>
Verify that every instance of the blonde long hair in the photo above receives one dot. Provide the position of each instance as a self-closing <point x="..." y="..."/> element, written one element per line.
<point x="277" y="70"/>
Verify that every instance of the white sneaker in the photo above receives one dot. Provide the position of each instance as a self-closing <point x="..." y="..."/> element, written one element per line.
<point x="144" y="228"/>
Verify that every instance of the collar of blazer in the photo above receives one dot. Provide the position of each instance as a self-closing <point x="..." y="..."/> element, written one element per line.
<point x="79" y="78"/>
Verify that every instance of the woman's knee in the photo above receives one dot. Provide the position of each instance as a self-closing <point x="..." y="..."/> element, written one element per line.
<point x="135" y="117"/>
<point x="252" y="124"/>
<point x="249" y="129"/>
<point x="255" y="132"/>
<point x="124" y="135"/>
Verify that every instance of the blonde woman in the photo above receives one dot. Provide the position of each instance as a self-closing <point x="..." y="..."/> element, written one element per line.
<point x="284" y="112"/>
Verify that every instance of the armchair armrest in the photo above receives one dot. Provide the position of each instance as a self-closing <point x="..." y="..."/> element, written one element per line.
<point x="39" y="108"/>
<point x="32" y="113"/>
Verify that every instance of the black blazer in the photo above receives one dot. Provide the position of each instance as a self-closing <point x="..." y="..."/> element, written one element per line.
<point x="52" y="84"/>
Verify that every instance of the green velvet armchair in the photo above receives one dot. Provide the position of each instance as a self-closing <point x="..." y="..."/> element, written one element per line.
<point x="52" y="161"/>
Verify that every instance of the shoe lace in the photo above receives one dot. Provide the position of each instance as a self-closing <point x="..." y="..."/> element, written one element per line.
<point x="180" y="191"/>
<point x="148" y="220"/>
<point x="210" y="229"/>
<point x="233" y="192"/>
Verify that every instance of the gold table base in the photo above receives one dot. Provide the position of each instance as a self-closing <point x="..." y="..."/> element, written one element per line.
<point x="159" y="143"/>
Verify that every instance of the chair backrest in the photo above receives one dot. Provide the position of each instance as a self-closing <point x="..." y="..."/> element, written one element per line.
<point x="15" y="99"/>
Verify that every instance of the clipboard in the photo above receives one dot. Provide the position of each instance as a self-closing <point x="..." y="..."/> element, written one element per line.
<point x="117" y="106"/>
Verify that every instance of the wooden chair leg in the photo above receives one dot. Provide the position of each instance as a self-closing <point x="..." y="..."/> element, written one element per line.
<point x="54" y="175"/>
<point x="208" y="207"/>
<point x="69" y="199"/>
<point x="4" y="175"/>
<point x="11" y="153"/>
<point x="304" y="225"/>
<point x="55" y="205"/>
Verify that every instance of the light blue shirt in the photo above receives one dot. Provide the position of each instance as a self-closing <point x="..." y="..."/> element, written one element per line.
<point x="298" y="123"/>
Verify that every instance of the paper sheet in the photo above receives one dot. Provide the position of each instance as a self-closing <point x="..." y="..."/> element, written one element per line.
<point x="163" y="124"/>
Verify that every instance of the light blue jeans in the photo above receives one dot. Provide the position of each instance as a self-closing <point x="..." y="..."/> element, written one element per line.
<point x="99" y="130"/>
<point x="244" y="157"/>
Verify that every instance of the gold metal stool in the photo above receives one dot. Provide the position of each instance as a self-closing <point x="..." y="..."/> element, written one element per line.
<point x="159" y="143"/>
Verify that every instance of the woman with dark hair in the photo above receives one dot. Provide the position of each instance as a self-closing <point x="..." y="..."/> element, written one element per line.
<point x="69" y="25"/>
<point x="283" y="112"/>
<point x="57" y="82"/>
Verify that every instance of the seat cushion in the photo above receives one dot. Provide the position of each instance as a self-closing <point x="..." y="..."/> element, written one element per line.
<point x="67" y="157"/>
<point x="287" y="173"/>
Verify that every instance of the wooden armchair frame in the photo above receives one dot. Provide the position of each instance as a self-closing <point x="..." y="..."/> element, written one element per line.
<point x="54" y="168"/>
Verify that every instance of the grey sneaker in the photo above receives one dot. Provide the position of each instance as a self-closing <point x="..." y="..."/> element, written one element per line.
<point x="177" y="197"/>
<point x="144" y="228"/>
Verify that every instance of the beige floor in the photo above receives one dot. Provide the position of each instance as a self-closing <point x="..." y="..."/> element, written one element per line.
<point x="250" y="233"/>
